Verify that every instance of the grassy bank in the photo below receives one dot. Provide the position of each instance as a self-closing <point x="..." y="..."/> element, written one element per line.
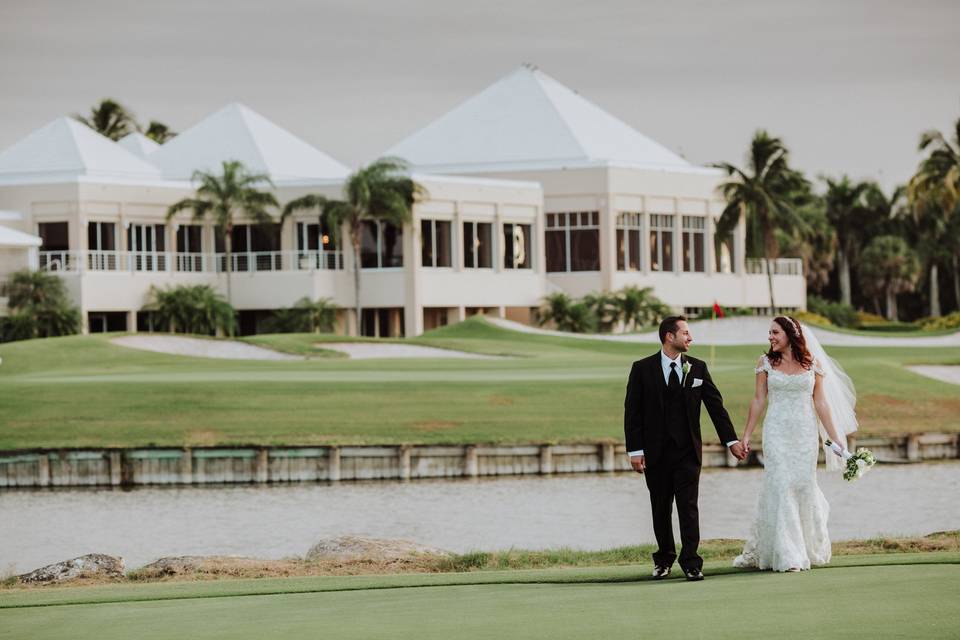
<point x="906" y="595"/>
<point x="84" y="391"/>
<point x="718" y="550"/>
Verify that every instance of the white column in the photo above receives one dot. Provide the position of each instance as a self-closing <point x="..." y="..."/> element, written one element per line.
<point x="708" y="257"/>
<point x="739" y="259"/>
<point x="413" y="309"/>
<point x="677" y="237"/>
<point x="608" y="243"/>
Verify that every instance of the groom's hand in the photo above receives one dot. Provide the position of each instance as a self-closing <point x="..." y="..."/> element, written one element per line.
<point x="639" y="463"/>
<point x="738" y="451"/>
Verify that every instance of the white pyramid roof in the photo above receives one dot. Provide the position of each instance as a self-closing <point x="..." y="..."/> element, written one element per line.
<point x="14" y="238"/>
<point x="236" y="132"/>
<point x="138" y="144"/>
<point x="529" y="120"/>
<point x="68" y="150"/>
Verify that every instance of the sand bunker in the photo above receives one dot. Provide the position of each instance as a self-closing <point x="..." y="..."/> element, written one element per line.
<point x="365" y="350"/>
<point x="199" y="348"/>
<point x="944" y="373"/>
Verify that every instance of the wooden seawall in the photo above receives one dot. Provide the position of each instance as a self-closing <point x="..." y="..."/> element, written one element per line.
<point x="219" y="465"/>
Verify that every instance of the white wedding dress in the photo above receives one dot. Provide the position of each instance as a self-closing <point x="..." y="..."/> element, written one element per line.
<point x="790" y="528"/>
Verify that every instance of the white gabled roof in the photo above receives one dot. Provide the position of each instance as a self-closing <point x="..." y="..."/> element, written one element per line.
<point x="66" y="150"/>
<point x="528" y="120"/>
<point x="13" y="238"/>
<point x="138" y="144"/>
<point x="236" y="132"/>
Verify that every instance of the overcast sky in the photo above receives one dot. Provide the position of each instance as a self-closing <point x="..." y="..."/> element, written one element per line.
<point x="848" y="85"/>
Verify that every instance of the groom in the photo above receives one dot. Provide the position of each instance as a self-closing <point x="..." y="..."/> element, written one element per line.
<point x="661" y="421"/>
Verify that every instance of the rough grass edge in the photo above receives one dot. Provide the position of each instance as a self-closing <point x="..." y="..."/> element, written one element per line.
<point x="220" y="568"/>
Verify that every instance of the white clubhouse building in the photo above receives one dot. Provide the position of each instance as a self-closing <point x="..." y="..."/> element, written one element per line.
<point x="531" y="190"/>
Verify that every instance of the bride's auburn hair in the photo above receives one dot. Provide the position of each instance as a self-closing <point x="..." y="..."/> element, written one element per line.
<point x="798" y="345"/>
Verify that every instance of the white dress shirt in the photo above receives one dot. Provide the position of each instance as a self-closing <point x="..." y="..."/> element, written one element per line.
<point x="665" y="362"/>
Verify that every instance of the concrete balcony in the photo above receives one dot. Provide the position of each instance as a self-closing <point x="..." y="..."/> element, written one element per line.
<point x="120" y="280"/>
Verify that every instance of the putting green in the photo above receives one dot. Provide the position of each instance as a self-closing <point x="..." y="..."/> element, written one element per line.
<point x="908" y="595"/>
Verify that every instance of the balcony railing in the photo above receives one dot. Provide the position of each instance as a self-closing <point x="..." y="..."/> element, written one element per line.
<point x="172" y="262"/>
<point x="781" y="266"/>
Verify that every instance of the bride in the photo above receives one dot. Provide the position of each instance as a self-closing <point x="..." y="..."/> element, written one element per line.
<point x="805" y="391"/>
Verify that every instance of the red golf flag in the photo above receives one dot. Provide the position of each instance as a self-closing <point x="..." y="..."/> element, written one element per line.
<point x="717" y="309"/>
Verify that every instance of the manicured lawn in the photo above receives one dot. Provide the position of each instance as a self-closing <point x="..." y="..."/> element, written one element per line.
<point x="84" y="391"/>
<point x="907" y="595"/>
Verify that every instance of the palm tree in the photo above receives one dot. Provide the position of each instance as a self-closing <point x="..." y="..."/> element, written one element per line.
<point x="762" y="195"/>
<point x="566" y="314"/>
<point x="196" y="309"/>
<point x="110" y="119"/>
<point x="935" y="192"/>
<point x="224" y="196"/>
<point x="305" y="316"/>
<point x="639" y="307"/>
<point x="381" y="191"/>
<point x="39" y="306"/>
<point x="605" y="308"/>
<point x="159" y="132"/>
<point x="889" y="266"/>
<point x="845" y="207"/>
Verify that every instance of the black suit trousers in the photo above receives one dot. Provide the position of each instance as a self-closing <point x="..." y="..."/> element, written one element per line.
<point x="675" y="477"/>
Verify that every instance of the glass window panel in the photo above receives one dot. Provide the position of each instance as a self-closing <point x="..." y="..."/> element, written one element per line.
<point x="698" y="252"/>
<point x="655" y="262"/>
<point x="666" y="249"/>
<point x="585" y="219"/>
<point x="485" y="245"/>
<point x="392" y="246"/>
<point x="426" y="243"/>
<point x="584" y="250"/>
<point x="368" y="245"/>
<point x="595" y="218"/>
<point x="621" y="250"/>
<point x="239" y="239"/>
<point x="55" y="236"/>
<point x="634" y="240"/>
<point x="469" y="245"/>
<point x="264" y="237"/>
<point x="444" y="249"/>
<point x="556" y="251"/>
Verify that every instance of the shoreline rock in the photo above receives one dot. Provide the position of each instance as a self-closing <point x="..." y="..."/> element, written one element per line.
<point x="92" y="565"/>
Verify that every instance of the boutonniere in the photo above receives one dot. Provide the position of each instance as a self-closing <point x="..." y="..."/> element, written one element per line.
<point x="686" y="369"/>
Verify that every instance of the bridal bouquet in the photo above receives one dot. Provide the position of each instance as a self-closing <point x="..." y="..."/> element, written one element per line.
<point x="857" y="463"/>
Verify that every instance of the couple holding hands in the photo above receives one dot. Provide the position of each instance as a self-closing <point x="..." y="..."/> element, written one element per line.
<point x="807" y="397"/>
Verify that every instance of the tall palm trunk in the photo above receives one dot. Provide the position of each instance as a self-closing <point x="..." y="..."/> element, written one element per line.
<point x="934" y="291"/>
<point x="956" y="281"/>
<point x="892" y="314"/>
<point x="355" y="241"/>
<point x="845" y="293"/>
<point x="772" y="251"/>
<point x="228" y="245"/>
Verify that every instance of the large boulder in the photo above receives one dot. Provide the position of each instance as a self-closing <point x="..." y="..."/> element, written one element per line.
<point x="92" y="565"/>
<point x="347" y="548"/>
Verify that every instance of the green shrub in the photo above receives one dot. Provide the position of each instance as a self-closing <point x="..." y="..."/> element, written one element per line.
<point x="842" y="315"/>
<point x="196" y="309"/>
<point x="39" y="307"/>
<point x="951" y="321"/>
<point x="807" y="317"/>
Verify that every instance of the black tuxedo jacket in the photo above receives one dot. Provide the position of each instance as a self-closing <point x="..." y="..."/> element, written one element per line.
<point x="643" y="408"/>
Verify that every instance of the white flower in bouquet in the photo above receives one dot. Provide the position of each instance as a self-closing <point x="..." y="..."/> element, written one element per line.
<point x="857" y="463"/>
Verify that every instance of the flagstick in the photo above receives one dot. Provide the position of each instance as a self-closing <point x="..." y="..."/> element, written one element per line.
<point x="713" y="347"/>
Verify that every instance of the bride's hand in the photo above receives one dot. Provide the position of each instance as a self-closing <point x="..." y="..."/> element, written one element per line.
<point x="746" y="444"/>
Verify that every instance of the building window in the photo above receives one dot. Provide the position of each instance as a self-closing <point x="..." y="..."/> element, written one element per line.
<point x="436" y="247"/>
<point x="478" y="245"/>
<point x="254" y="247"/>
<point x="147" y="242"/>
<point x="102" y="246"/>
<point x="381" y="245"/>
<point x="573" y="241"/>
<point x="723" y="253"/>
<point x="661" y="242"/>
<point x="628" y="241"/>
<point x="317" y="247"/>
<point x="55" y="250"/>
<point x="190" y="248"/>
<point x="516" y="246"/>
<point x="694" y="243"/>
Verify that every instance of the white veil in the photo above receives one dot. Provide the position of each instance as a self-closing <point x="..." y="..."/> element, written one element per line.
<point x="841" y="398"/>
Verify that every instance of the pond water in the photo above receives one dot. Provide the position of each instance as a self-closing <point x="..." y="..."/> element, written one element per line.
<point x="38" y="527"/>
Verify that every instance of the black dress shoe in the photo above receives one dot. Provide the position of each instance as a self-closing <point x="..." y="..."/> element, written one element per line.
<point x="693" y="575"/>
<point x="659" y="573"/>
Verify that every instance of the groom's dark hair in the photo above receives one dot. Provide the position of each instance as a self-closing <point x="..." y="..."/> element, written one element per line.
<point x="669" y="325"/>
